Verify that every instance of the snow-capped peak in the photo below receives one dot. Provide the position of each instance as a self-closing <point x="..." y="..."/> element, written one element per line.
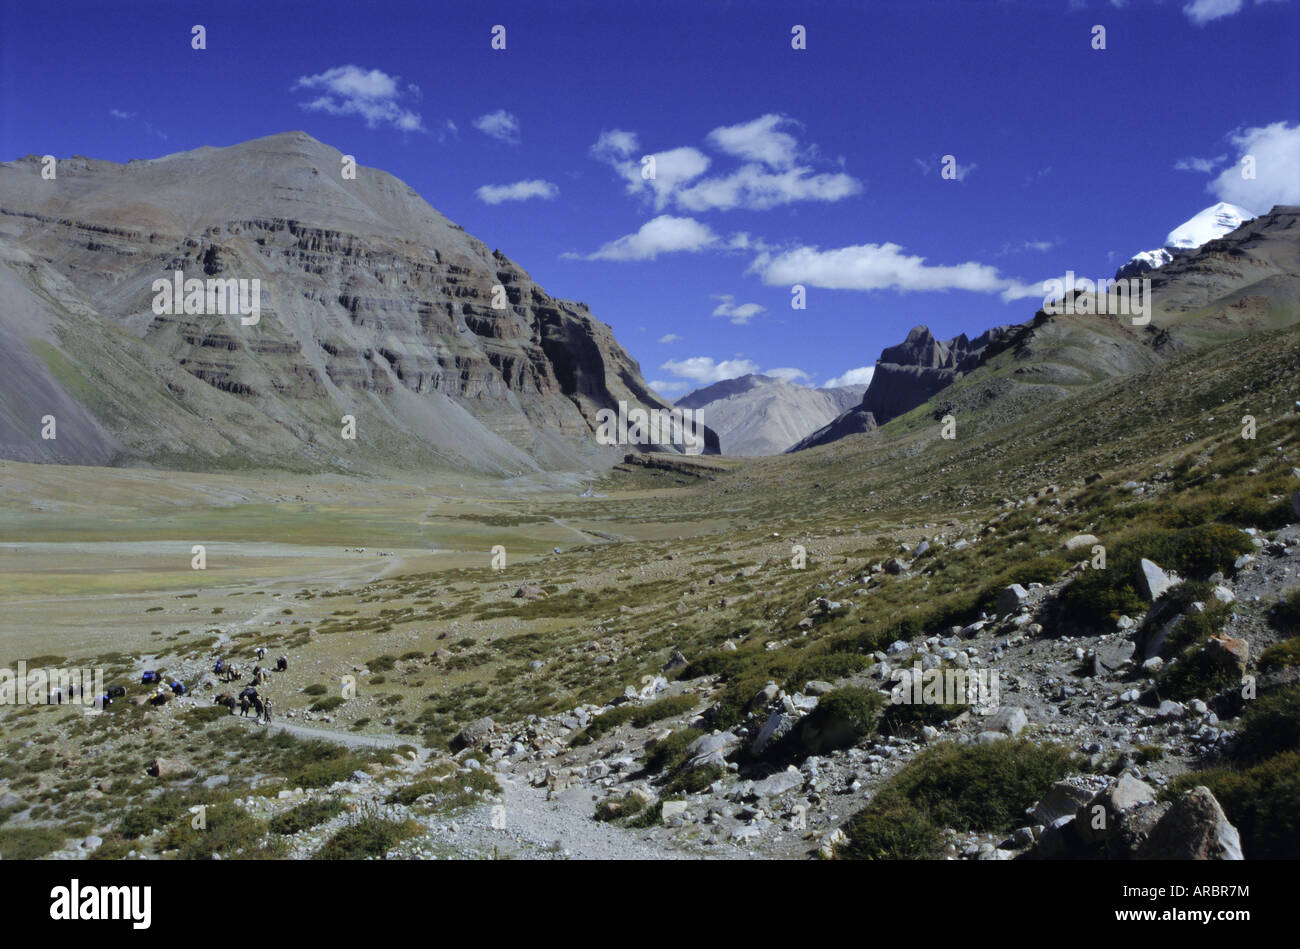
<point x="1213" y="222"/>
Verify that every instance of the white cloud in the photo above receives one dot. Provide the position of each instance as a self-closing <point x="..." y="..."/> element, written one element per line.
<point x="1201" y="12"/>
<point x="661" y="235"/>
<point x="1276" y="151"/>
<point x="755" y="189"/>
<point x="119" y="114"/>
<point x="1200" y="165"/>
<point x="669" y="387"/>
<point x="854" y="377"/>
<point x="614" y="144"/>
<point x="788" y="374"/>
<point x="669" y="338"/>
<point x="704" y="370"/>
<point x="500" y="125"/>
<point x="769" y="178"/>
<point x="757" y="141"/>
<point x="1017" y="247"/>
<point x="519" y="191"/>
<point x="739" y="315"/>
<point x="672" y="168"/>
<point x="448" y="131"/>
<point x="874" y="267"/>
<point x="371" y="94"/>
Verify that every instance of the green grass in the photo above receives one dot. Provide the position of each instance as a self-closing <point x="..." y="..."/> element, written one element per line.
<point x="371" y="835"/>
<point x="966" y="787"/>
<point x="306" y="815"/>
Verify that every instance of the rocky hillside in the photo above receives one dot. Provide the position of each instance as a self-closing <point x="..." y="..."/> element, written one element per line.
<point x="1244" y="282"/>
<point x="372" y="305"/>
<point x="763" y="415"/>
<point x="1218" y="220"/>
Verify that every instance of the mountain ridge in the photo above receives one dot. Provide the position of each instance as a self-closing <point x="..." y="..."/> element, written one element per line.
<point x="374" y="305"/>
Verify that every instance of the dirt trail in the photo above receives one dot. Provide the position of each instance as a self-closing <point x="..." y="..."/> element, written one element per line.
<point x="533" y="823"/>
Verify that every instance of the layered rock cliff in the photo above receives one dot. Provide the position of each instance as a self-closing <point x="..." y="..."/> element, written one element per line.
<point x="372" y="304"/>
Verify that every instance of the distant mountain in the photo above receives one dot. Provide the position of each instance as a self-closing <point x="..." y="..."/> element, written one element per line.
<point x="373" y="305"/>
<point x="1243" y="282"/>
<point x="1212" y="223"/>
<point x="764" y="415"/>
<point x="906" y="376"/>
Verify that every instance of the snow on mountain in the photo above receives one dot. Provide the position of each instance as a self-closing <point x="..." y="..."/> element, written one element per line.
<point x="1214" y="222"/>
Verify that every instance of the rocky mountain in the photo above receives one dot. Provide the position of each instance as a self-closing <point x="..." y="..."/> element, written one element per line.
<point x="372" y="305"/>
<point x="1244" y="282"/>
<point x="764" y="415"/>
<point x="906" y="376"/>
<point x="1210" y="224"/>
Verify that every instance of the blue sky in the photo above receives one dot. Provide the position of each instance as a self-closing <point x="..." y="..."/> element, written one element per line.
<point x="774" y="166"/>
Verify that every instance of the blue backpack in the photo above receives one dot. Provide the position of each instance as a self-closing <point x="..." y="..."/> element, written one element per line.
<point x="148" y="677"/>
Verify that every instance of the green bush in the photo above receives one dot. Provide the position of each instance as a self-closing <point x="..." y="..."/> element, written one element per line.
<point x="314" y="689"/>
<point x="826" y="667"/>
<point x="892" y="829"/>
<point x="853" y="711"/>
<point x="326" y="704"/>
<point x="1287" y="615"/>
<point x="230" y="831"/>
<point x="305" y="816"/>
<point x="670" y="754"/>
<point x="1281" y="655"/>
<point x="1270" y="726"/>
<point x="369" y="836"/>
<point x="694" y="780"/>
<point x="29" y="843"/>
<point x="639" y="715"/>
<point x="1102" y="596"/>
<point x="966" y="787"/>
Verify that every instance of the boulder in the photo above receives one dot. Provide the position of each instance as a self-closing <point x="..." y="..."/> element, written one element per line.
<point x="1082" y="542"/>
<point x="1011" y="599"/>
<point x="1195" y="828"/>
<point x="474" y="735"/>
<point x="1010" y="720"/>
<point x="1223" y="594"/>
<point x="673" y="809"/>
<point x="764" y="697"/>
<point x="1118" y="804"/>
<point x="1111" y="657"/>
<point x="779" y="783"/>
<point x="1228" y="652"/>
<point x="721" y="743"/>
<point x="530" y="591"/>
<point x="1064" y="798"/>
<point x="675" y="661"/>
<point x="894" y="565"/>
<point x="1170" y="709"/>
<point x="1153" y="581"/>
<point x="778" y="725"/>
<point x="169" y="767"/>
